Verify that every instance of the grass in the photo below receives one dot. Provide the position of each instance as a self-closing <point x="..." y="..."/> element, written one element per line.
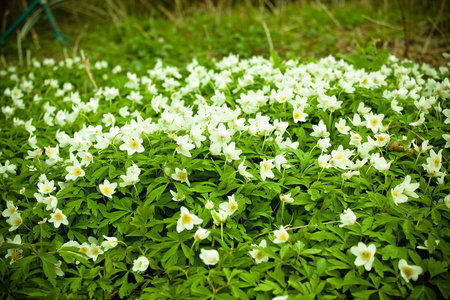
<point x="211" y="32"/>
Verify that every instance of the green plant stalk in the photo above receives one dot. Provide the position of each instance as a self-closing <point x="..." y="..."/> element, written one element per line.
<point x="429" y="180"/>
<point x="190" y="257"/>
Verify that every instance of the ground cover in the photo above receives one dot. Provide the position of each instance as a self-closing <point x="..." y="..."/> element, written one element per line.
<point x="248" y="178"/>
<point x="166" y="167"/>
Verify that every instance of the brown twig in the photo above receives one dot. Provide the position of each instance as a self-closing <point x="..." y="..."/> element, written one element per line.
<point x="418" y="135"/>
<point x="88" y="69"/>
<point x="380" y="23"/>
<point x="288" y="227"/>
<point x="330" y="15"/>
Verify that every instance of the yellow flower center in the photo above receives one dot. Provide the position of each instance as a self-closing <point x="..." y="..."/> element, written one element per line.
<point x="266" y="166"/>
<point x="396" y="193"/>
<point x="186" y="219"/>
<point x="47" y="189"/>
<point x="58" y="217"/>
<point x="16" y="254"/>
<point x="182" y="176"/>
<point x="283" y="237"/>
<point x="366" y="255"/>
<point x="374" y="122"/>
<point x="77" y="171"/>
<point x="436" y="161"/>
<point x="84" y="250"/>
<point x="233" y="207"/>
<point x="364" y="81"/>
<point x="106" y="190"/>
<point x="87" y="157"/>
<point x="12" y="209"/>
<point x="95" y="251"/>
<point x="259" y="255"/>
<point x="134" y="144"/>
<point x="407" y="271"/>
<point x="380" y="139"/>
<point x="340" y="156"/>
<point x="296" y="115"/>
<point x="18" y="222"/>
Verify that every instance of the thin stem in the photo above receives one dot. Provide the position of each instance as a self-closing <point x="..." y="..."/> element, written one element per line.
<point x="429" y="180"/>
<point x="190" y="256"/>
<point x="221" y="231"/>
<point x="320" y="174"/>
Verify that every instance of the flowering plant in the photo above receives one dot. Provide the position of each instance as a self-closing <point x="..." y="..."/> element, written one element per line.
<point x="268" y="164"/>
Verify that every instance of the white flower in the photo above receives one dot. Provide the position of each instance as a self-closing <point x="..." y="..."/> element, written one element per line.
<point x="209" y="257"/>
<point x="184" y="146"/>
<point x="323" y="161"/>
<point x="281" y="235"/>
<point x="109" y="242"/>
<point x="47" y="187"/>
<point x="10" y="209"/>
<point x="420" y="121"/>
<point x="58" y="218"/>
<point x="409" y="272"/>
<point x="140" y="264"/>
<point x="209" y="204"/>
<point x="380" y="163"/>
<point x="74" y="171"/>
<point x="364" y="255"/>
<point x="132" y="144"/>
<point x="230" y="207"/>
<point x="279" y="160"/>
<point x="287" y="198"/>
<point x="397" y="194"/>
<point x="201" y="234"/>
<point x="340" y="157"/>
<point x="342" y="127"/>
<point x="424" y="148"/>
<point x="381" y="139"/>
<point x="257" y="254"/>
<point x="241" y="170"/>
<point x="181" y="175"/>
<point x="299" y="115"/>
<point x="187" y="220"/>
<point x="409" y="188"/>
<point x="57" y="268"/>
<point x="15" y="254"/>
<point x="324" y="144"/>
<point x="347" y="218"/>
<point x="15" y="220"/>
<point x="107" y="189"/>
<point x="132" y="176"/>
<point x="374" y="122"/>
<point x="219" y="217"/>
<point x="176" y="197"/>
<point x="266" y="169"/>
<point x="230" y="152"/>
<point x="94" y="251"/>
<point x="320" y="130"/>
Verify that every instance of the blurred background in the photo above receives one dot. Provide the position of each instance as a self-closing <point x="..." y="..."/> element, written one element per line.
<point x="137" y="32"/>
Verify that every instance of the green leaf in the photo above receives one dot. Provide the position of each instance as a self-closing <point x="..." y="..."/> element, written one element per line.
<point x="275" y="58"/>
<point x="48" y="262"/>
<point x="436" y="267"/>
